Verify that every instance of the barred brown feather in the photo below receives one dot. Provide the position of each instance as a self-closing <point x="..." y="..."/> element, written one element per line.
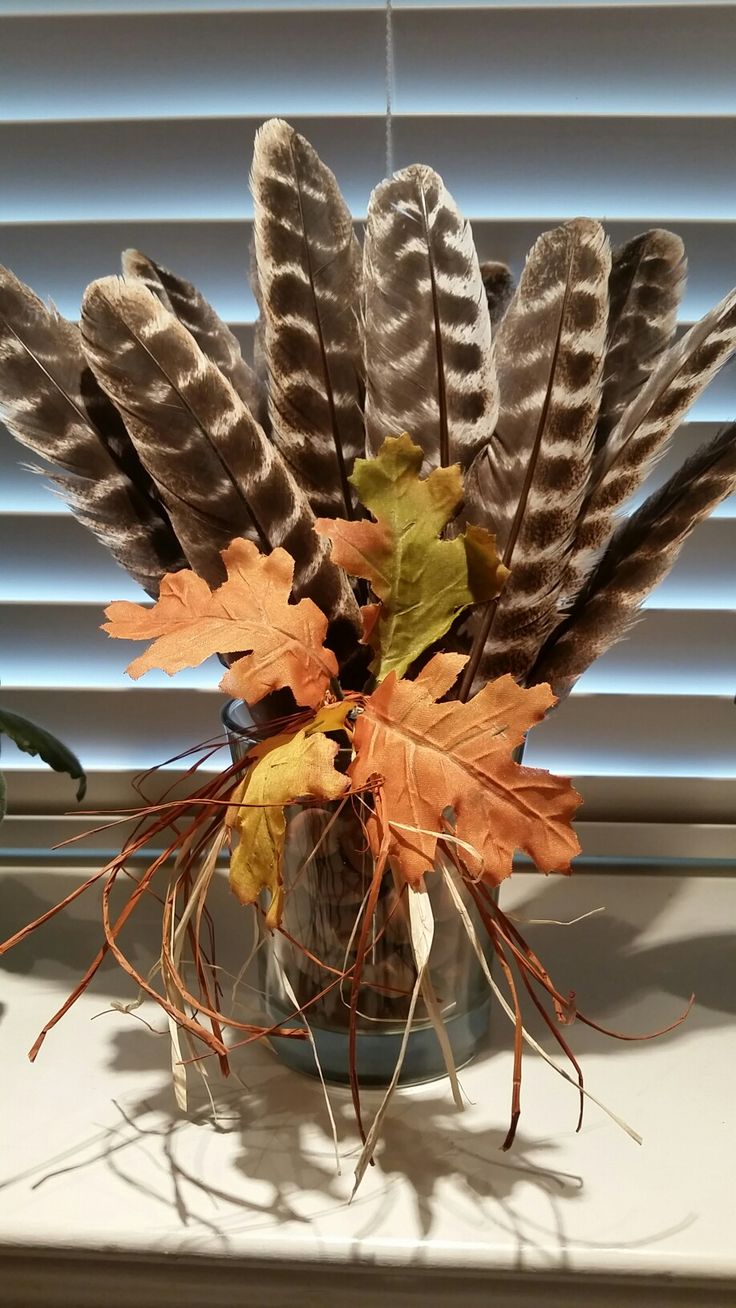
<point x="194" y="312"/>
<point x="308" y="262"/>
<point x="642" y="433"/>
<point x="215" y="470"/>
<point x="51" y="403"/>
<point x="527" y="485"/>
<point x="260" y="366"/>
<point x="638" y="557"/>
<point x="646" y="286"/>
<point x="428" y="358"/>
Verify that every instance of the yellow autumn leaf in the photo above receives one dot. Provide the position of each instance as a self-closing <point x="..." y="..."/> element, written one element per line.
<point x="423" y="582"/>
<point x="285" y="768"/>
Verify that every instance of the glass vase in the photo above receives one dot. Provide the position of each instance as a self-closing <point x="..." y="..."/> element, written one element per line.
<point x="327" y="872"/>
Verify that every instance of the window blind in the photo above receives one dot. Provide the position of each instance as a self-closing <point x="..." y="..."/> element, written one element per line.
<point x="129" y="123"/>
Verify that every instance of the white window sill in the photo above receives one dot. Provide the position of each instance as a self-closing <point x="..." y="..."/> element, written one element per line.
<point x="101" y="1178"/>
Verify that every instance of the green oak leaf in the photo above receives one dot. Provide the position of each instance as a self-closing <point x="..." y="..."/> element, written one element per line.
<point x="421" y="580"/>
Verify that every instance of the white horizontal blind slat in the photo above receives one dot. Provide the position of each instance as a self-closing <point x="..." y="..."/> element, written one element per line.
<point x="560" y="60"/>
<point x="597" y="734"/>
<point x="533" y="112"/>
<point x="53" y="555"/>
<point x="133" y="8"/>
<point x="518" y="167"/>
<point x="21" y="493"/>
<point x="673" y="652"/>
<point x="216" y="254"/>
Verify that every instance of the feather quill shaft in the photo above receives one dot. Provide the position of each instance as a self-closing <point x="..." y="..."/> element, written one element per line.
<point x="428" y="358"/>
<point x="309" y="268"/>
<point x="645" y="288"/>
<point x="194" y="312"/>
<point x="215" y="470"/>
<point x="527" y="485"/>
<point x="51" y="403"/>
<point x="638" y="557"/>
<point x="642" y="433"/>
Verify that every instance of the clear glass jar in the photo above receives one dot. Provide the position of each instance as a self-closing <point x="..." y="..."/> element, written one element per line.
<point x="324" y="891"/>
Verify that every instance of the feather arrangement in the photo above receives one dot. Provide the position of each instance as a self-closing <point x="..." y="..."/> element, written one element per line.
<point x="644" y="429"/>
<point x="51" y="403"/>
<point x="308" y="269"/>
<point x="529" y="481"/>
<point x="214" y="468"/>
<point x="638" y="557"/>
<point x="169" y="444"/>
<point x="212" y="335"/>
<point x="554" y="398"/>
<point x="469" y="447"/>
<point x="645" y="288"/>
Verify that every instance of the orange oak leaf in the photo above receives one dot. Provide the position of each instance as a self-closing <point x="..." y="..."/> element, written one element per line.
<point x="433" y="758"/>
<point x="250" y="613"/>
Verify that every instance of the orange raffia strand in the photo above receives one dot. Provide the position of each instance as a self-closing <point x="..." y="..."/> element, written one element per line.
<point x="370" y="908"/>
<point x="143" y="834"/>
<point x="97" y="960"/>
<point x="212" y="1003"/>
<point x="341" y="974"/>
<point x="203" y="914"/>
<point x="561" y="1041"/>
<point x="525" y="957"/>
<point x="194" y="932"/>
<point x="577" y="1014"/>
<point x="166" y="812"/>
<point x="99" y="957"/>
<point x="274" y="1030"/>
<point x="340" y="977"/>
<point x="50" y="912"/>
<point x="110" y="870"/>
<point x="518" y="1044"/>
<point x="197" y="956"/>
<point x="195" y="1028"/>
<point x="298" y="1012"/>
<point x="528" y="964"/>
<point x="205" y="751"/>
<point x="111" y="930"/>
<point x="529" y="967"/>
<point x="196" y="1003"/>
<point x="202" y="814"/>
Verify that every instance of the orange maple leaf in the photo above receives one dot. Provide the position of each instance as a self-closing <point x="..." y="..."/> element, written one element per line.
<point x="250" y="611"/>
<point x="455" y="759"/>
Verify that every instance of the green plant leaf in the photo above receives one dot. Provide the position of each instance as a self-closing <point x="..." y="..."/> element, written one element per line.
<point x="33" y="739"/>
<point x="422" y="581"/>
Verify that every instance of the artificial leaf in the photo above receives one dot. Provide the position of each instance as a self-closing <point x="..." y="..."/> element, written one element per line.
<point x="284" y="768"/>
<point x="423" y="582"/>
<point x="250" y="612"/>
<point x="435" y="759"/>
<point x="33" y="739"/>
